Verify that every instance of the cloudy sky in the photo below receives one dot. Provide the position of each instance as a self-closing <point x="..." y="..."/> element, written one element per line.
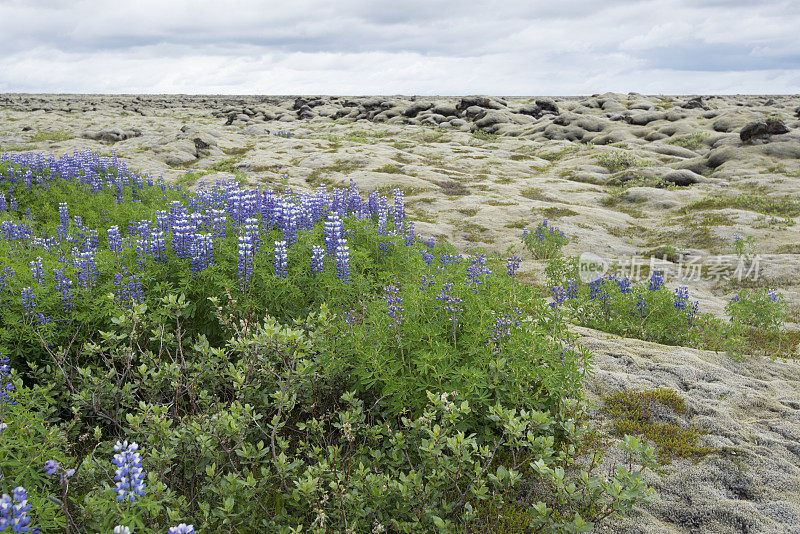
<point x="425" y="47"/>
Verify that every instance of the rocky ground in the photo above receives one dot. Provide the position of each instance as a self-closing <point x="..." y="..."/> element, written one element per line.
<point x="621" y="174"/>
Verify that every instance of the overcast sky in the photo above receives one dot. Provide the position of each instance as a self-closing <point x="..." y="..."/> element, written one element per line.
<point x="425" y="47"/>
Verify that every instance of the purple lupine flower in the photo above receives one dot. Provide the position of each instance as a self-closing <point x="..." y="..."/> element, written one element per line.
<point x="427" y="257"/>
<point x="502" y="330"/>
<point x="656" y="281"/>
<point x="12" y="205"/>
<point x="427" y="281"/>
<point x="512" y="265"/>
<point x="14" y="511"/>
<point x="476" y="270"/>
<point x="281" y="259"/>
<point x="64" y="286"/>
<point x="129" y="474"/>
<point x="317" y="259"/>
<point x="597" y="290"/>
<point x="447" y="259"/>
<point x="51" y="467"/>
<point x="451" y="303"/>
<point x="289" y="219"/>
<point x="383" y="216"/>
<point x="28" y="301"/>
<point x="572" y="289"/>
<point x="245" y="258"/>
<point x="5" y="387"/>
<point x="343" y="261"/>
<point x="693" y="311"/>
<point x="37" y="270"/>
<point x="559" y="296"/>
<point x="772" y="295"/>
<point x="334" y="231"/>
<point x="63" y="213"/>
<point x="157" y="245"/>
<point x="735" y="298"/>
<point x="399" y="209"/>
<point x="394" y="303"/>
<point x="681" y="296"/>
<point x="202" y="252"/>
<point x="114" y="239"/>
<point x="87" y="268"/>
<point x="410" y="234"/>
<point x="430" y="243"/>
<point x="3" y="204"/>
<point x="641" y="305"/>
<point x="624" y="284"/>
<point x="251" y="229"/>
<point x="218" y="224"/>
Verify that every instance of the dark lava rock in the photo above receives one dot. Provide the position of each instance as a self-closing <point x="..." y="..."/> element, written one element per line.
<point x="762" y="129"/>
<point x="720" y="155"/>
<point x="694" y="103"/>
<point x="547" y="105"/>
<point x="112" y="135"/>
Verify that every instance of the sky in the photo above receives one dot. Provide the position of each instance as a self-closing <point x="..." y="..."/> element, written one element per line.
<point x="408" y="47"/>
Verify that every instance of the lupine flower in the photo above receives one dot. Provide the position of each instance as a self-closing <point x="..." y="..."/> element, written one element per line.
<point x="681" y="295"/>
<point x="656" y="281"/>
<point x="624" y="284"/>
<point x="343" y="261"/>
<point x="317" y="259"/>
<point x="37" y="271"/>
<point x="572" y="289"/>
<point x="512" y="265"/>
<point x="394" y="302"/>
<point x="772" y="295"/>
<point x="476" y="270"/>
<point x="120" y="529"/>
<point x="87" y="268"/>
<point x="129" y="474"/>
<point x="51" y="467"/>
<point x="447" y="259"/>
<point x="114" y="239"/>
<point x="281" y="259"/>
<point x="641" y="305"/>
<point x="451" y="302"/>
<point x="559" y="296"/>
<point x="409" y="234"/>
<point x="183" y="528"/>
<point x="399" y="209"/>
<point x="245" y="258"/>
<point x="5" y="387"/>
<point x="427" y="257"/>
<point x="3" y="205"/>
<point x="63" y="214"/>
<point x="502" y="329"/>
<point x="28" y="301"/>
<point x="735" y="298"/>
<point x="14" y="511"/>
<point x="693" y="311"/>
<point x="202" y="252"/>
<point x="334" y="231"/>
<point x="597" y="290"/>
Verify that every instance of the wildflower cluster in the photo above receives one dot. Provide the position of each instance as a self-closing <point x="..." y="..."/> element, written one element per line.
<point x="545" y="241"/>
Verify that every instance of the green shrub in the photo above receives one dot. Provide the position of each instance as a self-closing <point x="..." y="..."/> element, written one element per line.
<point x="545" y="241"/>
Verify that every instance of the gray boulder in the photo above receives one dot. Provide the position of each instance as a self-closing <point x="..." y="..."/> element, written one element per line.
<point x="416" y="108"/>
<point x="641" y="119"/>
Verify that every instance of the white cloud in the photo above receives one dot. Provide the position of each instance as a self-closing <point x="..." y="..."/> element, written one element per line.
<point x="410" y="47"/>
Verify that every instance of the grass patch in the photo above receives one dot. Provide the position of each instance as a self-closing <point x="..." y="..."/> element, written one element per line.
<point x="58" y="135"/>
<point x="786" y="206"/>
<point x="556" y="212"/>
<point x="469" y="212"/>
<point x="637" y="413"/>
<point x="557" y="155"/>
<point x="618" y="160"/>
<point x="390" y="169"/>
<point x="694" y="140"/>
<point x="485" y="136"/>
<point x="237" y="151"/>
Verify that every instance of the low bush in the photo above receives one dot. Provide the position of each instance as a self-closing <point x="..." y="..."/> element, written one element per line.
<point x="241" y="360"/>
